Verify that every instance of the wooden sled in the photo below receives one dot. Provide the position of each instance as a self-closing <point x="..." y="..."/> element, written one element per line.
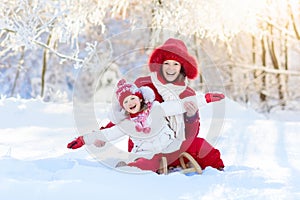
<point x="191" y="167"/>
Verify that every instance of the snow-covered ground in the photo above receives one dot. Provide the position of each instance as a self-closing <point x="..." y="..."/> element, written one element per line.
<point x="262" y="158"/>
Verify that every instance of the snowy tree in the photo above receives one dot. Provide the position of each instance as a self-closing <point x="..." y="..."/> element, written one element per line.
<point x="254" y="43"/>
<point x="48" y="34"/>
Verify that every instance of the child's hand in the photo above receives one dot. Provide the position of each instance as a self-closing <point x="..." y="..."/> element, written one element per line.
<point x="191" y="108"/>
<point x="77" y="143"/>
<point x="212" y="97"/>
<point x="99" y="143"/>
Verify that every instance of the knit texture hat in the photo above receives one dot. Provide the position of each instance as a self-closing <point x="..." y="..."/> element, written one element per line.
<point x="174" y="49"/>
<point x="124" y="89"/>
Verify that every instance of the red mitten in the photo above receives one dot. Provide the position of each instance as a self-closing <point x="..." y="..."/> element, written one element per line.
<point x="211" y="97"/>
<point x="77" y="143"/>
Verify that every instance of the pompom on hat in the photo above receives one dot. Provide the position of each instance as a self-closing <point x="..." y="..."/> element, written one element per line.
<point x="174" y="49"/>
<point x="124" y="89"/>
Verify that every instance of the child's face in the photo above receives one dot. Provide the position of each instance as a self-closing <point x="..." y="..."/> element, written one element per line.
<point x="132" y="104"/>
<point x="171" y="70"/>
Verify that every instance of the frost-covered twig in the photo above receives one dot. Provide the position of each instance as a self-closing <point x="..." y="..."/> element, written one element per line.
<point x="63" y="56"/>
<point x="259" y="68"/>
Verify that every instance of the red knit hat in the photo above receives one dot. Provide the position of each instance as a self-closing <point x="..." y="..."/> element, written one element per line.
<point x="125" y="89"/>
<point x="174" y="49"/>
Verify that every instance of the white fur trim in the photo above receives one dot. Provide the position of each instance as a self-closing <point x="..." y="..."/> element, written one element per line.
<point x="147" y="93"/>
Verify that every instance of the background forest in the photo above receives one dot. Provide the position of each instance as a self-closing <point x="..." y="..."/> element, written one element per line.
<point x="60" y="60"/>
<point x="248" y="49"/>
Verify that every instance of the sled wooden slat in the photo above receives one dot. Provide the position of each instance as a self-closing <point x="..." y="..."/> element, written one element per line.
<point x="164" y="165"/>
<point x="185" y="169"/>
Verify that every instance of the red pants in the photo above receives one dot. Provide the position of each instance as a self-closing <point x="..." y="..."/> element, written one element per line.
<point x="204" y="153"/>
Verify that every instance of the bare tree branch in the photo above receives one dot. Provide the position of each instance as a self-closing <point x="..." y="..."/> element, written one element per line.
<point x="57" y="53"/>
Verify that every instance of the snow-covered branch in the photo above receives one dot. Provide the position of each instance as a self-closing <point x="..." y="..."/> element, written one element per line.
<point x="60" y="55"/>
<point x="267" y="69"/>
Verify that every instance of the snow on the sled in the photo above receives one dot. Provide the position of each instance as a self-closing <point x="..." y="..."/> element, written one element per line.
<point x="262" y="158"/>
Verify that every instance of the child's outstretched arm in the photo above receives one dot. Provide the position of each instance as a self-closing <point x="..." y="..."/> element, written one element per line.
<point x="176" y="107"/>
<point x="104" y="135"/>
<point x="202" y="100"/>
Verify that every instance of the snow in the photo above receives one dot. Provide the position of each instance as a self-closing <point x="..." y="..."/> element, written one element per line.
<point x="261" y="154"/>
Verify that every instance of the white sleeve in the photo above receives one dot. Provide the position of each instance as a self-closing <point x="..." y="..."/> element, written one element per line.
<point x="175" y="107"/>
<point x="106" y="135"/>
<point x="201" y="101"/>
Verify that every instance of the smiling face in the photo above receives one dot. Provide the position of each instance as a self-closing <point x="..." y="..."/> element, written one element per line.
<point x="171" y="70"/>
<point x="132" y="104"/>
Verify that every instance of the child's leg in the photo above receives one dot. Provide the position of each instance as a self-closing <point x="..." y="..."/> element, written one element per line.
<point x="152" y="164"/>
<point x="205" y="154"/>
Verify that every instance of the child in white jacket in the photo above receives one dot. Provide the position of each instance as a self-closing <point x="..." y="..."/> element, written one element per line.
<point x="145" y="122"/>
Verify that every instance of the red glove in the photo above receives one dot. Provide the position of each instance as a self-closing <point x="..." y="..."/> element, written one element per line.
<point x="77" y="143"/>
<point x="211" y="97"/>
